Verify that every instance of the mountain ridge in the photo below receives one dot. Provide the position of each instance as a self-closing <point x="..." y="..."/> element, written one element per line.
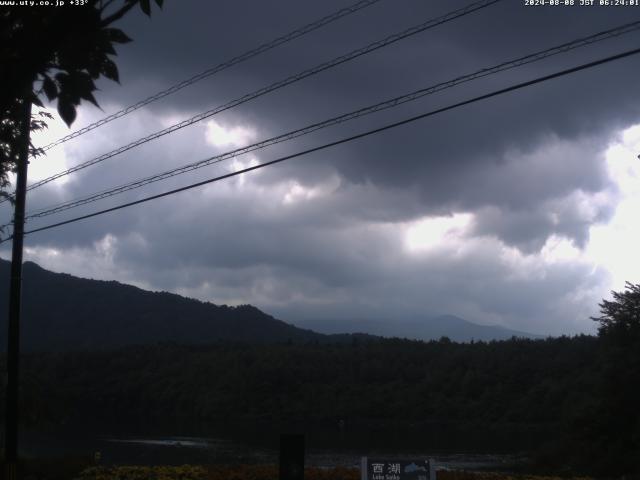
<point x="61" y="312"/>
<point x="423" y="328"/>
<point x="64" y="312"/>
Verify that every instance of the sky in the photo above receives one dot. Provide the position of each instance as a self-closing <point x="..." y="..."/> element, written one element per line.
<point x="518" y="211"/>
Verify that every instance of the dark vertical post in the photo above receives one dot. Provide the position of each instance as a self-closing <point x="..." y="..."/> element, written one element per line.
<point x="291" y="457"/>
<point x="15" y="285"/>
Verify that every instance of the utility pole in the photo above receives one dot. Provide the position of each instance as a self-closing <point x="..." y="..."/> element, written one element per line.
<point x="15" y="287"/>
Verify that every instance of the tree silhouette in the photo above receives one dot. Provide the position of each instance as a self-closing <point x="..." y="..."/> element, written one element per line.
<point x="57" y="53"/>
<point x="620" y="319"/>
<point x="617" y="424"/>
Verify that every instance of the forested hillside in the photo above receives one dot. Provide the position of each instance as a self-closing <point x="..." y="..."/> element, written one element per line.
<point x="62" y="312"/>
<point x="510" y="395"/>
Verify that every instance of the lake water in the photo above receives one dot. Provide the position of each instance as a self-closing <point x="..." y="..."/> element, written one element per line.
<point x="199" y="450"/>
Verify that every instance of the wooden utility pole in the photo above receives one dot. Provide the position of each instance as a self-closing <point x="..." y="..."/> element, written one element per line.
<point x="15" y="287"/>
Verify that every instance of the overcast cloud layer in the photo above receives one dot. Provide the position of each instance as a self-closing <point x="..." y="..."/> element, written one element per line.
<point x="515" y="211"/>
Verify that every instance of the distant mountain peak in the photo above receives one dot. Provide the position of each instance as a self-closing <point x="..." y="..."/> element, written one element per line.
<point x="424" y="328"/>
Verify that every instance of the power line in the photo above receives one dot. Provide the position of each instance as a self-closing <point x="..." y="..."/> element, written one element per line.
<point x="277" y="85"/>
<point x="347" y="139"/>
<point x="218" y="68"/>
<point x="530" y="58"/>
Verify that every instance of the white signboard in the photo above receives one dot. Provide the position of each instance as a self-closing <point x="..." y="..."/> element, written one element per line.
<point x="393" y="469"/>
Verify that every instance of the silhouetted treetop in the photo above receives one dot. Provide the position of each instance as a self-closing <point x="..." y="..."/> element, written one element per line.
<point x="622" y="315"/>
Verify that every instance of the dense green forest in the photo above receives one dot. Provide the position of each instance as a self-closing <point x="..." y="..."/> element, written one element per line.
<point x="520" y="381"/>
<point x="519" y="395"/>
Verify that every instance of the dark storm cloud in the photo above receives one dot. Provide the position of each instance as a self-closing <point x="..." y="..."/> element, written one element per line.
<point x="297" y="269"/>
<point x="527" y="164"/>
<point x="445" y="157"/>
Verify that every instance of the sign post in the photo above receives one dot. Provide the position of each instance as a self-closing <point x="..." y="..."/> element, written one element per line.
<point x="291" y="457"/>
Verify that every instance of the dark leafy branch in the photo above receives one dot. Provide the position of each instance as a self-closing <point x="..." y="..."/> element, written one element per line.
<point x="56" y="54"/>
